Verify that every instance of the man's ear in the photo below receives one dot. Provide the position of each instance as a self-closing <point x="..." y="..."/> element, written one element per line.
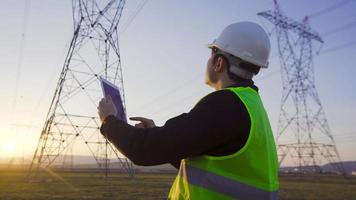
<point x="220" y="64"/>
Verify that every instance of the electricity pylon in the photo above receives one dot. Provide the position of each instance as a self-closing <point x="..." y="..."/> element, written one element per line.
<point x="72" y="121"/>
<point x="304" y="136"/>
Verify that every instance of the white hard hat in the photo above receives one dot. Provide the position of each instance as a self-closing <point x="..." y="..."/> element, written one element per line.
<point x="245" y="40"/>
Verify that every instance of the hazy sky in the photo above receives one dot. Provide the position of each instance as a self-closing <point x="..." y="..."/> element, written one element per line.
<point x="164" y="55"/>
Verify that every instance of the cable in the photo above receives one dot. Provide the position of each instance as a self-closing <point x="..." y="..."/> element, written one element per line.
<point x="45" y="91"/>
<point x="319" y="13"/>
<point x="346" y="134"/>
<point x="51" y="77"/>
<point x="199" y="92"/>
<point x="338" y="29"/>
<point x="133" y="16"/>
<point x="339" y="138"/>
<point x="187" y="83"/>
<point x="21" y="54"/>
<point x="171" y="91"/>
<point x="191" y="95"/>
<point x="336" y="48"/>
<point x="265" y="27"/>
<point x="278" y="70"/>
<point x="329" y="9"/>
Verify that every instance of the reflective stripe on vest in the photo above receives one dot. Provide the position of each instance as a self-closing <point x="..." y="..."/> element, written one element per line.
<point x="224" y="185"/>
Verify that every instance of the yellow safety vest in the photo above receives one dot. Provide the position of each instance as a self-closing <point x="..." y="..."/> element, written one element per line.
<point x="250" y="173"/>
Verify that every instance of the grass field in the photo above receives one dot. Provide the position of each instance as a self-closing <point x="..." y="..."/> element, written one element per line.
<point x="64" y="185"/>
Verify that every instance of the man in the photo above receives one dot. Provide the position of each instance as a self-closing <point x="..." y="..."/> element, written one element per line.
<point x="224" y="147"/>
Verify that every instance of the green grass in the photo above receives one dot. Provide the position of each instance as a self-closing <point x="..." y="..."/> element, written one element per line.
<point x="64" y="185"/>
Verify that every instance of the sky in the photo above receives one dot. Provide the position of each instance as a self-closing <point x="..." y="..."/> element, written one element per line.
<point x="164" y="54"/>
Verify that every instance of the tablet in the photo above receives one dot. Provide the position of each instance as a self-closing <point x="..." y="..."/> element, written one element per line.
<point x="109" y="88"/>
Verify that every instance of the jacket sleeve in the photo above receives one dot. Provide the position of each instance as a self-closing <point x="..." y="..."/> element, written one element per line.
<point x="187" y="135"/>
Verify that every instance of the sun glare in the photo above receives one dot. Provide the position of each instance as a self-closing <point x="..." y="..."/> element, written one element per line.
<point x="8" y="148"/>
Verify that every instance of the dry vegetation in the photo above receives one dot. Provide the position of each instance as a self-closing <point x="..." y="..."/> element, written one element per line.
<point x="64" y="185"/>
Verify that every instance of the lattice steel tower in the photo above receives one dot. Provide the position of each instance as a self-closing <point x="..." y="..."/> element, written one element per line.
<point x="304" y="137"/>
<point x="72" y="124"/>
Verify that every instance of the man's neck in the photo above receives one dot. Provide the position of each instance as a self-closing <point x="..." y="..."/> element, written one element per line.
<point x="223" y="84"/>
<point x="230" y="83"/>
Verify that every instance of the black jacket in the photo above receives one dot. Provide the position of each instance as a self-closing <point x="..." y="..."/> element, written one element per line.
<point x="218" y="125"/>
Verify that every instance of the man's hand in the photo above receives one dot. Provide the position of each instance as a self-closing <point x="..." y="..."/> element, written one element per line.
<point x="106" y="107"/>
<point x="144" y="122"/>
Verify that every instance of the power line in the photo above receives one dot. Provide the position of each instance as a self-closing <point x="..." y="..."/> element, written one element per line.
<point x="188" y="82"/>
<point x="321" y="12"/>
<point x="340" y="138"/>
<point x="260" y="78"/>
<point x="200" y="91"/>
<point x="275" y="72"/>
<point x="346" y="134"/>
<point x="339" y="47"/>
<point x="191" y="95"/>
<point x="339" y="29"/>
<point x="51" y="78"/>
<point x="46" y="90"/>
<point x="133" y="16"/>
<point x="172" y="91"/>
<point x="329" y="9"/>
<point x="21" y="54"/>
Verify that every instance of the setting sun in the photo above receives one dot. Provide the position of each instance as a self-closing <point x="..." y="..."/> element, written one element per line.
<point x="8" y="148"/>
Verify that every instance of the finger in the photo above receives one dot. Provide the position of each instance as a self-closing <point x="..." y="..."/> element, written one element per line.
<point x="142" y="119"/>
<point x="100" y="117"/>
<point x="140" y="125"/>
<point x="101" y="101"/>
<point x="108" y="98"/>
<point x="100" y="110"/>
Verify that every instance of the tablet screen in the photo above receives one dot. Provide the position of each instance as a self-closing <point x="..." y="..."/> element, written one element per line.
<point x="112" y="90"/>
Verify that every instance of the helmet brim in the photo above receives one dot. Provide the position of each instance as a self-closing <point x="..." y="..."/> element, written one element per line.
<point x="211" y="45"/>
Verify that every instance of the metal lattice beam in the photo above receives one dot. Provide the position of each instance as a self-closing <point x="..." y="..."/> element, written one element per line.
<point x="71" y="119"/>
<point x="304" y="136"/>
